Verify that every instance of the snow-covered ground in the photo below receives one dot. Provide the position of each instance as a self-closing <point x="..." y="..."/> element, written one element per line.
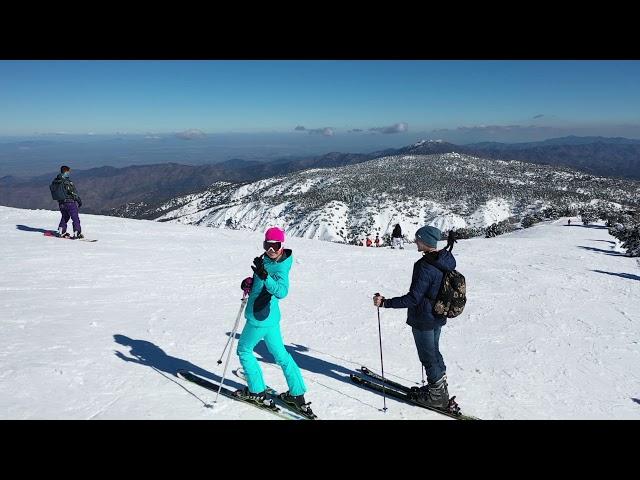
<point x="95" y="330"/>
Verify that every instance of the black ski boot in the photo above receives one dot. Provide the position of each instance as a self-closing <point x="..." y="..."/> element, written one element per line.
<point x="434" y="394"/>
<point x="64" y="235"/>
<point x="78" y="235"/>
<point x="257" y="398"/>
<point x="298" y="403"/>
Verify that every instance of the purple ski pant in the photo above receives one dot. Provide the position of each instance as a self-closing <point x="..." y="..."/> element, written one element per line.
<point x="69" y="210"/>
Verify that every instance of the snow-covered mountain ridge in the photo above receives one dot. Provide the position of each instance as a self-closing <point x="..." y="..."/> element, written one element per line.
<point x="449" y="191"/>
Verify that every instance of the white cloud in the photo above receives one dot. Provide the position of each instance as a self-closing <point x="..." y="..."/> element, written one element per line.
<point x="395" y="128"/>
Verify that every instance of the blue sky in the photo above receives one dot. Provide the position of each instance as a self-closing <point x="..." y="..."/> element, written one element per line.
<point x="456" y="100"/>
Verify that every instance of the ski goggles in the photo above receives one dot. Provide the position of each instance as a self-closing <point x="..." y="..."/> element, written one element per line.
<point x="275" y="246"/>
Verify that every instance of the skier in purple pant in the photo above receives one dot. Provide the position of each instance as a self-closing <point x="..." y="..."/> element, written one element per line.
<point x="64" y="191"/>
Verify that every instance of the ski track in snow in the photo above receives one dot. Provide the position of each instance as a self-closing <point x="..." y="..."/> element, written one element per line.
<point x="96" y="330"/>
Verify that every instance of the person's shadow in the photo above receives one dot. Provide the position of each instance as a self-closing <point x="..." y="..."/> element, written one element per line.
<point x="25" y="228"/>
<point x="150" y="355"/>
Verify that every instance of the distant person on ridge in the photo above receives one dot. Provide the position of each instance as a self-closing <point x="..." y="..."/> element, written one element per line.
<point x="64" y="191"/>
<point x="396" y="237"/>
<point x="269" y="285"/>
<point x="426" y="326"/>
<point x="569" y="222"/>
<point x="377" y="240"/>
<point x="368" y="242"/>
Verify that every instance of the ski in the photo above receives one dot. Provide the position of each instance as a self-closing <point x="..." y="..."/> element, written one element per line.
<point x="388" y="383"/>
<point x="55" y="234"/>
<point x="192" y="377"/>
<point x="402" y="392"/>
<point x="239" y="372"/>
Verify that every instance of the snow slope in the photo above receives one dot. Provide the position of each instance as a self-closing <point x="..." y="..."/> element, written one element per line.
<point x="95" y="330"/>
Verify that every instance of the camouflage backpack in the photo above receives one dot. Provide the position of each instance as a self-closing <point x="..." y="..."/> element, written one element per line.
<point x="452" y="295"/>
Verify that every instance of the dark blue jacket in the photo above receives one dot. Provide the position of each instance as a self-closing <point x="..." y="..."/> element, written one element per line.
<point x="425" y="283"/>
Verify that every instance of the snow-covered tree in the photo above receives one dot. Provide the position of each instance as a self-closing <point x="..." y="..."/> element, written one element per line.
<point x="588" y="215"/>
<point x="627" y="230"/>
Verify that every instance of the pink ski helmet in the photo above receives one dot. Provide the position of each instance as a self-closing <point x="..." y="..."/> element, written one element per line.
<point x="274" y="234"/>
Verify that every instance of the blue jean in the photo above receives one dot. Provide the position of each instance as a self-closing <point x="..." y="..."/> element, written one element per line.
<point x="69" y="210"/>
<point x="251" y="336"/>
<point x="427" y="343"/>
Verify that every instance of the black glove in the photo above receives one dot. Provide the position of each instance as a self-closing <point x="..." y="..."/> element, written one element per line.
<point x="259" y="268"/>
<point x="246" y="283"/>
<point x="79" y="202"/>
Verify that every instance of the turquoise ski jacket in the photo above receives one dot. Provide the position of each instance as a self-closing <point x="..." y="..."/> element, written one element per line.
<point x="262" y="306"/>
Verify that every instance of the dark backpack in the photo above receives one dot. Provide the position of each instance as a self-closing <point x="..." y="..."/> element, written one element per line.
<point x="452" y="295"/>
<point x="58" y="191"/>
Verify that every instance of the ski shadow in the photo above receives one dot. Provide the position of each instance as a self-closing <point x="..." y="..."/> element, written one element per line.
<point x="305" y="361"/>
<point x="150" y="355"/>
<point x="25" y="228"/>
<point x="606" y="241"/>
<point x="600" y="250"/>
<point x="637" y="400"/>
<point x="629" y="276"/>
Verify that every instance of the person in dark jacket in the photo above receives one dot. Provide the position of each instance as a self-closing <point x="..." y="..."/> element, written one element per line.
<point x="426" y="326"/>
<point x="69" y="205"/>
<point x="396" y="237"/>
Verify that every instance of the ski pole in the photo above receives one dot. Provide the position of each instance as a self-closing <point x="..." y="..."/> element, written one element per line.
<point x="246" y="291"/>
<point x="384" y="392"/>
<point x="225" y="349"/>
<point x="233" y="337"/>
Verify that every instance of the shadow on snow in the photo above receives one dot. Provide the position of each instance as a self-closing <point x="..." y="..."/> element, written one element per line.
<point x="600" y="250"/>
<point x="150" y="355"/>
<point x="25" y="228"/>
<point x="629" y="276"/>
<point x="597" y="227"/>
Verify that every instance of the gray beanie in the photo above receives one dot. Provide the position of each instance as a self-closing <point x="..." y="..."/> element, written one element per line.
<point x="429" y="235"/>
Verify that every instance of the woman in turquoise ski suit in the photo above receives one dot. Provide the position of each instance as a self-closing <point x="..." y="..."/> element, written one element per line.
<point x="270" y="285"/>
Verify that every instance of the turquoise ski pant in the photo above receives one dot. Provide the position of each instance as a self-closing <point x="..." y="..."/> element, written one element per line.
<point x="272" y="337"/>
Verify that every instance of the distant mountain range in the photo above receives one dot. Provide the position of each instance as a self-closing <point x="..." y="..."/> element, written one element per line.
<point x="109" y="190"/>
<point x="569" y="140"/>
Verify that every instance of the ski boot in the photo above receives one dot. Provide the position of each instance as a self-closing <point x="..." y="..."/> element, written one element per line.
<point x="78" y="235"/>
<point x="298" y="403"/>
<point x="260" y="399"/>
<point x="434" y="394"/>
